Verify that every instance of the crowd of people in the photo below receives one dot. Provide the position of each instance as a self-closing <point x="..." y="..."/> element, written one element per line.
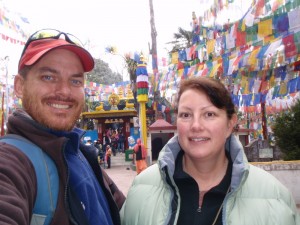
<point x="114" y="140"/>
<point x="202" y="175"/>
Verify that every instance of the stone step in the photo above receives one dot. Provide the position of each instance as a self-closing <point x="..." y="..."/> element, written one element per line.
<point x="119" y="160"/>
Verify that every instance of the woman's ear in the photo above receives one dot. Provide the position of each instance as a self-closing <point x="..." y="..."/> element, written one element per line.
<point x="231" y="123"/>
<point x="234" y="120"/>
<point x="18" y="85"/>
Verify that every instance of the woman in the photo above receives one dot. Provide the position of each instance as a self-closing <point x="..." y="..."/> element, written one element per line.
<point x="202" y="175"/>
<point x="140" y="156"/>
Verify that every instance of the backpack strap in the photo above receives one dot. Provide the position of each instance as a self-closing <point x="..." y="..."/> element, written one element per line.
<point x="47" y="178"/>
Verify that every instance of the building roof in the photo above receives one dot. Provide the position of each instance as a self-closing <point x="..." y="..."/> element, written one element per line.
<point x="161" y="124"/>
<point x="109" y="114"/>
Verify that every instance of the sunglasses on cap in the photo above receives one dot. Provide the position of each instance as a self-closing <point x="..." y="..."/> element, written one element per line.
<point x="51" y="34"/>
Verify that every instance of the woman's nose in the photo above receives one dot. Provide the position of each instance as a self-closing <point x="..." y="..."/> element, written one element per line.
<point x="197" y="123"/>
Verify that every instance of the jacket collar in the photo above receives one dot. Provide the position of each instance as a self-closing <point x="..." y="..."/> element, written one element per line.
<point x="240" y="168"/>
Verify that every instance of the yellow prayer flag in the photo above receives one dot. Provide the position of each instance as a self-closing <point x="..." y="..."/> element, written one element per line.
<point x="174" y="58"/>
<point x="214" y="70"/>
<point x="244" y="86"/>
<point x="265" y="28"/>
<point x="210" y="46"/>
<point x="269" y="39"/>
<point x="283" y="88"/>
<point x="180" y="72"/>
<point x="272" y="81"/>
<point x="252" y="58"/>
<point x="243" y="26"/>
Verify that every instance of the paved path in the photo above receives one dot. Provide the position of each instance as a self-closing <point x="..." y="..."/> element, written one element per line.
<point x="122" y="176"/>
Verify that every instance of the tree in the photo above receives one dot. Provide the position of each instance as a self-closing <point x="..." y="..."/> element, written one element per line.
<point x="287" y="132"/>
<point x="131" y="66"/>
<point x="129" y="62"/>
<point x="183" y="39"/>
<point x="102" y="74"/>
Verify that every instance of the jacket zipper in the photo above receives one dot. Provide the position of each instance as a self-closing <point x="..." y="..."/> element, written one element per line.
<point x="66" y="189"/>
<point x="170" y="181"/>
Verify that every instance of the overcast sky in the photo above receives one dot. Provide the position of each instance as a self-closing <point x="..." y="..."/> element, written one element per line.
<point x="121" y="23"/>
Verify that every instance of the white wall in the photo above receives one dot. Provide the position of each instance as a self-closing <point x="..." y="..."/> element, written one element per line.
<point x="287" y="172"/>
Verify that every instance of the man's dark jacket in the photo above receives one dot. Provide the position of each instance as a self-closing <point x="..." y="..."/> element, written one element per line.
<point x="18" y="180"/>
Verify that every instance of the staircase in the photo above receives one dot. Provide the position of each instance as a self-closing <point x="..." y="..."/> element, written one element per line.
<point x="119" y="160"/>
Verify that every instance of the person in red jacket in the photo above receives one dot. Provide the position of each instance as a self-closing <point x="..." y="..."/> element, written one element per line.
<point x="140" y="156"/>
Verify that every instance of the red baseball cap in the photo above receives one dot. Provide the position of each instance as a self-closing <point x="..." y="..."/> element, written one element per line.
<point x="38" y="48"/>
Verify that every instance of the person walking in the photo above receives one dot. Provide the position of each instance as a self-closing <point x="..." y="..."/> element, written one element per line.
<point x="108" y="156"/>
<point x="114" y="142"/>
<point x="202" y="175"/>
<point x="105" y="141"/>
<point x="121" y="141"/>
<point x="98" y="145"/>
<point x="140" y="156"/>
<point x="50" y="83"/>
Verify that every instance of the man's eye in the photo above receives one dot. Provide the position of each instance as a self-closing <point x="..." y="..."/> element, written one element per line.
<point x="77" y="82"/>
<point x="47" y="77"/>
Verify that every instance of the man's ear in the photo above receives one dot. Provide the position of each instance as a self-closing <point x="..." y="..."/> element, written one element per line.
<point x="18" y="85"/>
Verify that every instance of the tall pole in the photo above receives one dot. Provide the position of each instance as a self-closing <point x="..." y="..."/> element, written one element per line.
<point x="2" y="116"/>
<point x="264" y="120"/>
<point x="153" y="50"/>
<point x="142" y="96"/>
<point x="5" y="97"/>
<point x="6" y="59"/>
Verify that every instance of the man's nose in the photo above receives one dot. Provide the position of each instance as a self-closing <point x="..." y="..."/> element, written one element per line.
<point x="63" y="87"/>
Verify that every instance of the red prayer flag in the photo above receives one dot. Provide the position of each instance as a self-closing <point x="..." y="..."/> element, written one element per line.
<point x="290" y="47"/>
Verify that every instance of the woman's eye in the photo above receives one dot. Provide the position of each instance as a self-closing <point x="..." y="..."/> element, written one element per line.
<point x="210" y="114"/>
<point x="184" y="115"/>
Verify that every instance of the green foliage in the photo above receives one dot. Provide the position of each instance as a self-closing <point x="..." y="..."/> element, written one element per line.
<point x="93" y="105"/>
<point x="102" y="74"/>
<point x="182" y="39"/>
<point x="287" y="132"/>
<point x="131" y="66"/>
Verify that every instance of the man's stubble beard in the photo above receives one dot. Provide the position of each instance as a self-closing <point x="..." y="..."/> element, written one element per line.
<point x="32" y="108"/>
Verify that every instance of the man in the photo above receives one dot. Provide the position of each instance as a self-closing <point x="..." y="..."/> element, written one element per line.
<point x="106" y="141"/>
<point x="50" y="83"/>
<point x="98" y="145"/>
<point x="121" y="141"/>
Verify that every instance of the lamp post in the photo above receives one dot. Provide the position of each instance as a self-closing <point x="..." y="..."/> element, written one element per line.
<point x="6" y="99"/>
<point x="2" y="115"/>
<point x="6" y="59"/>
<point x="4" y="67"/>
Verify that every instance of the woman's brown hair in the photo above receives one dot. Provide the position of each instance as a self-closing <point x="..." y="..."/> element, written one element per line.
<point x="214" y="89"/>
